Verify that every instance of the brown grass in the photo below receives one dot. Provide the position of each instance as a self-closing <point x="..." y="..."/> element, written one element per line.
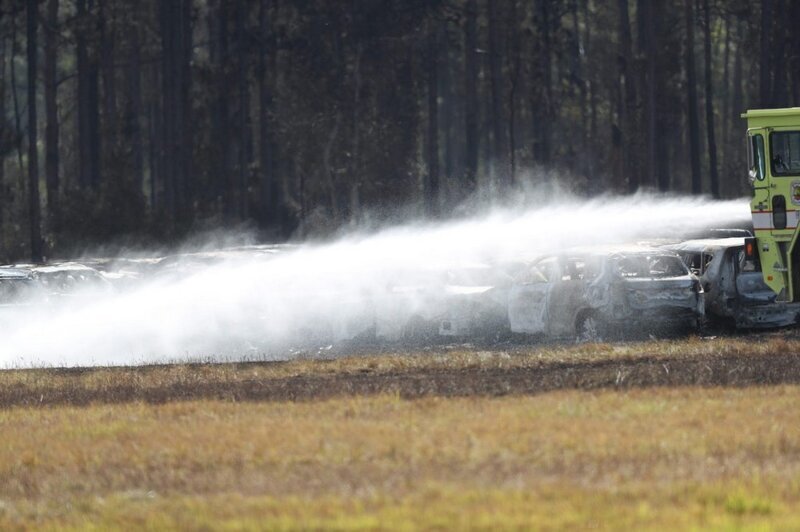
<point x="608" y="436"/>
<point x="600" y="456"/>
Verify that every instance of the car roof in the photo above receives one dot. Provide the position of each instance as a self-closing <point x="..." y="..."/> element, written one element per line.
<point x="63" y="267"/>
<point x="14" y="273"/>
<point x="608" y="250"/>
<point x="707" y="244"/>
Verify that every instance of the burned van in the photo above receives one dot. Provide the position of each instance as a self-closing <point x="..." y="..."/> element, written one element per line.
<point x="599" y="294"/>
<point x="734" y="286"/>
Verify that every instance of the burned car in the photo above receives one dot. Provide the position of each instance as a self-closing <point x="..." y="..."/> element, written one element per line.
<point x="68" y="278"/>
<point x="734" y="286"/>
<point x="475" y="302"/>
<point x="17" y="285"/>
<point x="409" y="307"/>
<point x="464" y="301"/>
<point x="598" y="294"/>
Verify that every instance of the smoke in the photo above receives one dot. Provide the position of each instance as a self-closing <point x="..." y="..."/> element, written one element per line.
<point x="263" y="302"/>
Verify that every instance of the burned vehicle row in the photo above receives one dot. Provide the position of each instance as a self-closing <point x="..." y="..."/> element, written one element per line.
<point x="595" y="295"/>
<point x="735" y="290"/>
<point x="460" y="302"/>
<point x="68" y="278"/>
<point x="28" y="283"/>
<point x="16" y="285"/>
<point x="584" y="294"/>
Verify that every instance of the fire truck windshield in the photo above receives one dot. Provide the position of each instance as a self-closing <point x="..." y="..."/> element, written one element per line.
<point x="785" y="152"/>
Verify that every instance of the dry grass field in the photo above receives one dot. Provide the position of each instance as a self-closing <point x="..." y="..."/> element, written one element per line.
<point x="690" y="434"/>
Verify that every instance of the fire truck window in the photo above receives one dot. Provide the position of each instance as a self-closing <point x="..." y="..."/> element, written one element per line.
<point x="785" y="152"/>
<point x="758" y="170"/>
<point x="779" y="212"/>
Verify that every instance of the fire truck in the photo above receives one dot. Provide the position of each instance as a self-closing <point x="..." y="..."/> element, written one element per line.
<point x="773" y="148"/>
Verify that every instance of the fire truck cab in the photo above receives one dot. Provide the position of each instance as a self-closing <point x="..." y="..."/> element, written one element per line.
<point x="773" y="147"/>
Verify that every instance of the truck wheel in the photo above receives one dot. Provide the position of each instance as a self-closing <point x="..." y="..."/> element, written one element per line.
<point x="590" y="328"/>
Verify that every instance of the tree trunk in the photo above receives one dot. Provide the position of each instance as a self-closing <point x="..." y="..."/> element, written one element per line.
<point x="154" y="152"/>
<point x="691" y="84"/>
<point x="269" y="188"/>
<point x="500" y="173"/>
<point x="432" y="183"/>
<point x="242" y="112"/>
<point x="170" y="77"/>
<point x="177" y="153"/>
<point x="542" y="104"/>
<point x="184" y="125"/>
<point x="33" y="157"/>
<point x="712" y="142"/>
<point x="15" y="97"/>
<point x="726" y="96"/>
<point x="765" y="62"/>
<point x="327" y="170"/>
<point x="794" y="50"/>
<point x="577" y="74"/>
<point x="108" y="71"/>
<point x="648" y="35"/>
<point x="51" y="113"/>
<point x="88" y="116"/>
<point x="355" y="174"/>
<point x="591" y="89"/>
<point x="737" y="100"/>
<point x="3" y="136"/>
<point x="448" y="112"/>
<point x="779" y="93"/>
<point x="471" y="105"/>
<point x="516" y="67"/>
<point x="627" y="100"/>
<point x="220" y="116"/>
<point x="133" y="124"/>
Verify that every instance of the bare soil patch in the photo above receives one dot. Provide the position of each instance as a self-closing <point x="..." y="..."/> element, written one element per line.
<point x="455" y="373"/>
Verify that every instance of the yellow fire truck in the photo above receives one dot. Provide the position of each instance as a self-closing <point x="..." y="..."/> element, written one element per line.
<point x="773" y="147"/>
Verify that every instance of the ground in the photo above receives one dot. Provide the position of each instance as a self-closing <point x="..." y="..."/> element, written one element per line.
<point x="701" y="432"/>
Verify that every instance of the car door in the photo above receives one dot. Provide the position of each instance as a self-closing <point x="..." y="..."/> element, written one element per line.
<point x="527" y="299"/>
<point x="566" y="297"/>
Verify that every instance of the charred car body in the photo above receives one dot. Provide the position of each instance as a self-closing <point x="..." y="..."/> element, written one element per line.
<point x="734" y="285"/>
<point x="68" y="278"/>
<point x="16" y="285"/>
<point x="475" y="302"/>
<point x="593" y="295"/>
<point x="465" y="301"/>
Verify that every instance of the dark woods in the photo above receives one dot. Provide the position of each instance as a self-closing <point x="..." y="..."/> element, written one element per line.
<point x="147" y="120"/>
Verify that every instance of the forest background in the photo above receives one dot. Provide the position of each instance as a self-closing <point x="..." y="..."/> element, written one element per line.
<point x="139" y="123"/>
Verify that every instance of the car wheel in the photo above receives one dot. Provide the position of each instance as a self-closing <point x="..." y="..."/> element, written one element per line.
<point x="591" y="328"/>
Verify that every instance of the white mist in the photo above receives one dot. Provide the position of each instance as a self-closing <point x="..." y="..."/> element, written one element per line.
<point x="255" y="307"/>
